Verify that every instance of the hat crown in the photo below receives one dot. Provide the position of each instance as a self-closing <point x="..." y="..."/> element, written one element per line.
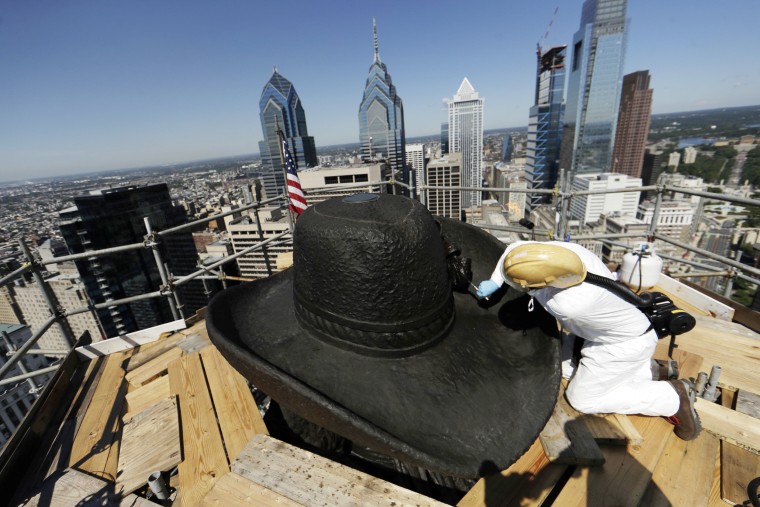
<point x="370" y="274"/>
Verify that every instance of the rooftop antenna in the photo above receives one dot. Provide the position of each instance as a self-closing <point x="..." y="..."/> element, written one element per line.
<point x="377" y="45"/>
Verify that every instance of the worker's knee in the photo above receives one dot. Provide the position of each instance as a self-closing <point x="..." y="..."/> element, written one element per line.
<point x="580" y="400"/>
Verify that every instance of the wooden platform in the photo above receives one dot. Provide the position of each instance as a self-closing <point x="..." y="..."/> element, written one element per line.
<point x="175" y="405"/>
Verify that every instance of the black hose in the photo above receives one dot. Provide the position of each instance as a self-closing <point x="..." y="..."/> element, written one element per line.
<point x="644" y="300"/>
<point x="752" y="491"/>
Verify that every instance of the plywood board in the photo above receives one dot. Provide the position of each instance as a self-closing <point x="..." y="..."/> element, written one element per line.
<point x="146" y="396"/>
<point x="100" y="423"/>
<point x="306" y="478"/>
<point x="527" y="482"/>
<point x="150" y="443"/>
<point x="748" y="403"/>
<point x="233" y="490"/>
<point x="236" y="410"/>
<point x="684" y="474"/>
<point x="739" y="466"/>
<point x="128" y="341"/>
<point x="204" y="459"/>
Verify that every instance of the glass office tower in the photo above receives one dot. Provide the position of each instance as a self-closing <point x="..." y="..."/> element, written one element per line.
<point x="466" y="137"/>
<point x="593" y="96"/>
<point x="545" y="125"/>
<point x="381" y="118"/>
<point x="280" y="105"/>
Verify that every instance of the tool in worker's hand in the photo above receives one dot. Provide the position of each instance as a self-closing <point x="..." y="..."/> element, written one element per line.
<point x="476" y="292"/>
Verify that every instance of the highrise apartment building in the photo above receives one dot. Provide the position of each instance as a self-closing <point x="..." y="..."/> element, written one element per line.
<point x="632" y="131"/>
<point x="415" y="160"/>
<point x="115" y="217"/>
<point x="466" y="138"/>
<point x="381" y="118"/>
<point x="444" y="172"/>
<point x="280" y="106"/>
<point x="70" y="293"/>
<point x="588" y="208"/>
<point x="593" y="94"/>
<point x="545" y="125"/>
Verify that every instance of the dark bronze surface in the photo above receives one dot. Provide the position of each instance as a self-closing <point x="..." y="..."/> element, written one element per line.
<point x="365" y="337"/>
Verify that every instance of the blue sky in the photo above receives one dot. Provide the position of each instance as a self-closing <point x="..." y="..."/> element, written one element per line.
<point x="88" y="85"/>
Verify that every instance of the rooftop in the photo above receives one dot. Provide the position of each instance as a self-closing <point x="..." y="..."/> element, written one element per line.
<point x="119" y="410"/>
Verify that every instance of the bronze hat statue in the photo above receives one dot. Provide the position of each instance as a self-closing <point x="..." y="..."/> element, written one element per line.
<point x="365" y="337"/>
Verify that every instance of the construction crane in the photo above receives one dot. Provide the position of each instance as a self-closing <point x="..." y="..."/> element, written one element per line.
<point x="542" y="40"/>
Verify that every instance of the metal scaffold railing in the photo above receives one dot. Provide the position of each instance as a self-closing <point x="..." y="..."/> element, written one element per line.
<point x="729" y="268"/>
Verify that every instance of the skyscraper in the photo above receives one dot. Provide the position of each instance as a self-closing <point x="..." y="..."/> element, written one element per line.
<point x="593" y="94"/>
<point x="466" y="137"/>
<point x="381" y="118"/>
<point x="633" y="124"/>
<point x="280" y="105"/>
<point x="115" y="217"/>
<point x="545" y="125"/>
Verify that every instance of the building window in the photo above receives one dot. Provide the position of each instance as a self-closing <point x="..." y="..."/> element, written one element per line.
<point x="331" y="180"/>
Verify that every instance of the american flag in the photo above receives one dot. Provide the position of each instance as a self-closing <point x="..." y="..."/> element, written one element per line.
<point x="295" y="193"/>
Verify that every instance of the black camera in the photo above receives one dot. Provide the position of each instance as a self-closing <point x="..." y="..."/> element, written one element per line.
<point x="666" y="318"/>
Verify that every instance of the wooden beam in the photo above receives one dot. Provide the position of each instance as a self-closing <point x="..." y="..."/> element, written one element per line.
<point x="567" y="440"/>
<point x="734" y="427"/>
<point x="150" y="443"/>
<point x="236" y="410"/>
<point x="232" y="489"/>
<point x="153" y="368"/>
<point x="147" y="396"/>
<point x="624" y="478"/>
<point x="527" y="482"/>
<point x="310" y="479"/>
<point x="748" y="403"/>
<point x="101" y="422"/>
<point x="71" y="487"/>
<point x="204" y="460"/>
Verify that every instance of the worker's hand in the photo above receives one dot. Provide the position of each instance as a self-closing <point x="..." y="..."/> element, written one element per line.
<point x="486" y="288"/>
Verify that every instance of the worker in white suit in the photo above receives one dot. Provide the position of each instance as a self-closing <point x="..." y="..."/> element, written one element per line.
<point x="614" y="374"/>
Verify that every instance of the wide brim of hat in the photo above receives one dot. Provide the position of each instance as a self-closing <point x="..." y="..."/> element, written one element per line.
<point x="474" y="401"/>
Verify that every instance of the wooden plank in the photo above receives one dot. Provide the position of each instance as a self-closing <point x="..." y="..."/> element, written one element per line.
<point x="154" y="349"/>
<point x="624" y="478"/>
<point x="627" y="427"/>
<point x="527" y="482"/>
<point x="684" y="474"/>
<point x="194" y="343"/>
<point x="153" y="368"/>
<point x="309" y="479"/>
<point x="734" y="427"/>
<point x="150" y="443"/>
<point x="748" y="403"/>
<point x="738" y="467"/>
<point x="567" y="440"/>
<point x="204" y="460"/>
<point x="71" y="487"/>
<point x="100" y="423"/>
<point x="236" y="410"/>
<point x="147" y="396"/>
<point x="693" y="301"/>
<point x="714" y="500"/>
<point x="610" y="429"/>
<point x="234" y="490"/>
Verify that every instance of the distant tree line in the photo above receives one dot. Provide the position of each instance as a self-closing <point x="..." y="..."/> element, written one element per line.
<point x="712" y="169"/>
<point x="751" y="169"/>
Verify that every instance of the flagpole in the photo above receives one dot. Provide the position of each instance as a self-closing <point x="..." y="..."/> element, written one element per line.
<point x="281" y="138"/>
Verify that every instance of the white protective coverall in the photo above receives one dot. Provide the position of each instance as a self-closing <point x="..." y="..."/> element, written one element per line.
<point x="614" y="373"/>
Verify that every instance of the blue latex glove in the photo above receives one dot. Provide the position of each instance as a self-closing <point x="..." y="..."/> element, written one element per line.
<point x="486" y="288"/>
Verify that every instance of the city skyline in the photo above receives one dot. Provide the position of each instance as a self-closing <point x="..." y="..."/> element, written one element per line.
<point x="101" y="85"/>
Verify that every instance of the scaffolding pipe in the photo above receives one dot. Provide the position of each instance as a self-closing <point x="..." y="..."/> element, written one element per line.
<point x="32" y="374"/>
<point x="116" y="302"/>
<point x="655" y="214"/>
<point x="13" y="274"/>
<point x="152" y="243"/>
<point x="21" y="366"/>
<point x="16" y="357"/>
<point x="261" y="238"/>
<point x="94" y="253"/>
<point x="49" y="296"/>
